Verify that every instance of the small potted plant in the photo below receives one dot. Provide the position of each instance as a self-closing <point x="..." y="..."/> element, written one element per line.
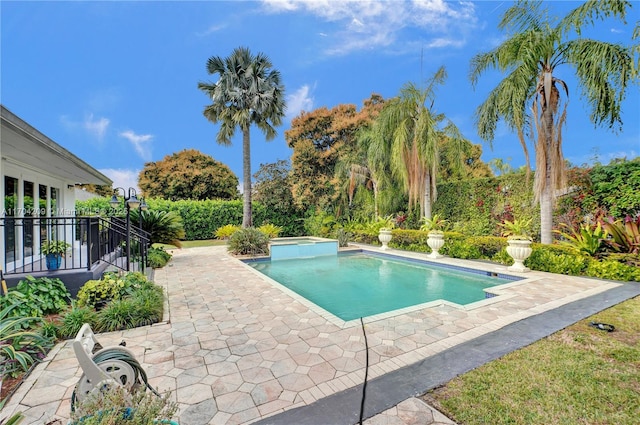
<point x="384" y="232"/>
<point x="54" y="251"/>
<point x="519" y="243"/>
<point x="435" y="226"/>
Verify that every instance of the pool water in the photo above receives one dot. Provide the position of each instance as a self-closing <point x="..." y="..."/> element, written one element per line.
<point x="360" y="285"/>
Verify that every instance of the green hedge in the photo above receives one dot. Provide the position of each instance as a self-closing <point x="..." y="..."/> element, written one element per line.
<point x="547" y="258"/>
<point x="202" y="218"/>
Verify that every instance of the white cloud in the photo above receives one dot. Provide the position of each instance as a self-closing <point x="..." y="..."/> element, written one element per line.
<point x="300" y="100"/>
<point x="122" y="178"/>
<point x="96" y="127"/>
<point x="368" y="24"/>
<point x="140" y="142"/>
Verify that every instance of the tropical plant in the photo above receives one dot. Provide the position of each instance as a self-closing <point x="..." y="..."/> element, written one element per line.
<point x="588" y="239"/>
<point x="536" y="47"/>
<point x="48" y="295"/>
<point x="625" y="234"/>
<point x="248" y="92"/>
<point x="271" y="230"/>
<point x="249" y="241"/>
<point x="164" y="227"/>
<point x="384" y="223"/>
<point x="435" y="224"/>
<point x="57" y="247"/>
<point x="157" y="257"/>
<point x="343" y="237"/>
<point x="226" y="231"/>
<point x="19" y="348"/>
<point x="409" y="131"/>
<point x="516" y="229"/>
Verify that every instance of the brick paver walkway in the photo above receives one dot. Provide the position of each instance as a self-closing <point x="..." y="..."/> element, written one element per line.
<point x="237" y="348"/>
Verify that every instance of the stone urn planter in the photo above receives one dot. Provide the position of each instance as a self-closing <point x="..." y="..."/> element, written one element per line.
<point x="384" y="236"/>
<point x="519" y="250"/>
<point x="435" y="241"/>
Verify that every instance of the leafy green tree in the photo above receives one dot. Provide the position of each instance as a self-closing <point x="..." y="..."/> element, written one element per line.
<point x="248" y="92"/>
<point x="409" y="131"/>
<point x="188" y="174"/>
<point x="532" y="93"/>
<point x="320" y="139"/>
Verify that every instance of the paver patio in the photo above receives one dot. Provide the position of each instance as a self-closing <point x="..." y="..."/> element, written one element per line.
<point x="237" y="348"/>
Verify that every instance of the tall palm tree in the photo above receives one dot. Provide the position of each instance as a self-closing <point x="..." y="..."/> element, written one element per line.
<point x="531" y="98"/>
<point x="411" y="129"/>
<point x="248" y="92"/>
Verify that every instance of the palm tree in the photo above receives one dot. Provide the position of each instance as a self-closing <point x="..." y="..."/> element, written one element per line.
<point x="248" y="92"/>
<point x="410" y="131"/>
<point x="531" y="58"/>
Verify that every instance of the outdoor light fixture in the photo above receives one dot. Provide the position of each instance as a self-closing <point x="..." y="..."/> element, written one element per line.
<point x="130" y="202"/>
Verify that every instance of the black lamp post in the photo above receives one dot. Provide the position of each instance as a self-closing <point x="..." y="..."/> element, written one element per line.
<point x="130" y="201"/>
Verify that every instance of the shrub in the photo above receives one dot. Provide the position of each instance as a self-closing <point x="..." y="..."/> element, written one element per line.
<point x="270" y="230"/>
<point x="22" y="305"/>
<point x="226" y="231"/>
<point x="51" y="295"/>
<point x="556" y="259"/>
<point x="143" y="307"/>
<point x="73" y="319"/>
<point x="613" y="270"/>
<point x="249" y="241"/>
<point x="461" y="249"/>
<point x="117" y="315"/>
<point x="96" y="292"/>
<point x="157" y="257"/>
<point x="148" y="306"/>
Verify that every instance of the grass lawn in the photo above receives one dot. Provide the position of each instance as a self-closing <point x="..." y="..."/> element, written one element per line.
<point x="579" y="375"/>
<point x="195" y="244"/>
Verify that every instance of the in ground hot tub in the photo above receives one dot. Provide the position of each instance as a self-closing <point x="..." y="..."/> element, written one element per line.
<point x="302" y="247"/>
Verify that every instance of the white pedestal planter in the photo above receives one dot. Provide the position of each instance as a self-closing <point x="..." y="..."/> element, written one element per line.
<point x="384" y="237"/>
<point x="519" y="250"/>
<point x="435" y="242"/>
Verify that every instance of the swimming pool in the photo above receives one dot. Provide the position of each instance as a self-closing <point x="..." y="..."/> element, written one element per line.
<point x="362" y="284"/>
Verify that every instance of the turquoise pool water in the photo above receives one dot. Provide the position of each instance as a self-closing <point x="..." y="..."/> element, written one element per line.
<point x="360" y="285"/>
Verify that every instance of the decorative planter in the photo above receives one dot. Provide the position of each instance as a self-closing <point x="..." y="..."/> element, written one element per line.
<point x="435" y="242"/>
<point x="384" y="237"/>
<point x="53" y="261"/>
<point x="519" y="250"/>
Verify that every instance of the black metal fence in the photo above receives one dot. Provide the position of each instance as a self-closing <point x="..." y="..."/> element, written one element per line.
<point x="88" y="241"/>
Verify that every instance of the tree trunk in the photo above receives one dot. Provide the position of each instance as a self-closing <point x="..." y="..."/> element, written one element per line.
<point x="547" y="195"/>
<point x="427" y="197"/>
<point x="375" y="200"/>
<point x="246" y="175"/>
<point x="546" y="214"/>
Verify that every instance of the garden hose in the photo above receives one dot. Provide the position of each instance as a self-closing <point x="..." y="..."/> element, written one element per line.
<point x="119" y="354"/>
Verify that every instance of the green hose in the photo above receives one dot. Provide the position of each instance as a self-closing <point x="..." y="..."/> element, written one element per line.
<point x="122" y="355"/>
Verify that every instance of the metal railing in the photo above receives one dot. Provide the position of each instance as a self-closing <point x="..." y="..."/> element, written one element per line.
<point x="90" y="241"/>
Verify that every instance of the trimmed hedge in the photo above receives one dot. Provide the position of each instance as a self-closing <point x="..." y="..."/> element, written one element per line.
<point x="547" y="258"/>
<point x="202" y="218"/>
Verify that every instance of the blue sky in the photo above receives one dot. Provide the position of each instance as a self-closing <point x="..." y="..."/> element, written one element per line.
<point x="116" y="82"/>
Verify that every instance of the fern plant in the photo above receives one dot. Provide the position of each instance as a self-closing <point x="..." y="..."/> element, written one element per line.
<point x="271" y="230"/>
